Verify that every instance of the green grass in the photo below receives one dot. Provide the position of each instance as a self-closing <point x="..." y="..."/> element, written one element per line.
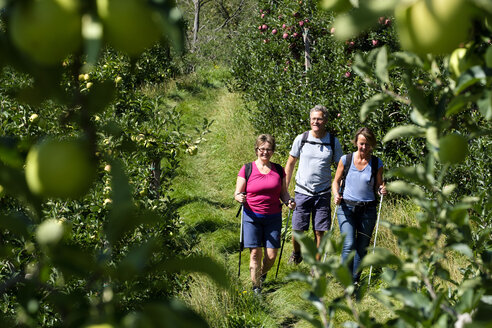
<point x="204" y="190"/>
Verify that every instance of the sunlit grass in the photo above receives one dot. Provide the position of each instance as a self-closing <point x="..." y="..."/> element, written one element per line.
<point x="204" y="192"/>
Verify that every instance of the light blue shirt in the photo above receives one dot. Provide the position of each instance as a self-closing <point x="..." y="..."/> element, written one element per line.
<point x="358" y="184"/>
<point x="314" y="170"/>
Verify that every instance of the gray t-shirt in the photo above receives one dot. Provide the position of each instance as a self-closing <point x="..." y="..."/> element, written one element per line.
<point x="314" y="170"/>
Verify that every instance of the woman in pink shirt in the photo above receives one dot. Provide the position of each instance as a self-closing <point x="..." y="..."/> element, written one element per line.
<point x="262" y="211"/>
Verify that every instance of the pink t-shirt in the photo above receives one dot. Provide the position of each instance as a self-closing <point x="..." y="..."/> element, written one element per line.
<point x="263" y="190"/>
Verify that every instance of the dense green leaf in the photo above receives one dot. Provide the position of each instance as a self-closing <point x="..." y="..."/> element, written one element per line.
<point x="309" y="249"/>
<point x="308" y="317"/>
<point x="380" y="257"/>
<point x="382" y="65"/>
<point x="416" y="174"/>
<point x="372" y="104"/>
<point x="404" y="188"/>
<point x="463" y="249"/>
<point x="485" y="105"/>
<point x="474" y="75"/>
<point x="404" y="131"/>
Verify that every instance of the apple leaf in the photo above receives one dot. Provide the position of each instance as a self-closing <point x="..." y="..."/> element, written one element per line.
<point x="372" y="104"/>
<point x="382" y="65"/>
<point x="380" y="257"/>
<point x="459" y="103"/>
<point x="404" y="131"/>
<point x="416" y="174"/>
<point x="360" y="66"/>
<point x="418" y="118"/>
<point x="463" y="249"/>
<point x="309" y="249"/>
<point x="485" y="105"/>
<point x="162" y="313"/>
<point x="431" y="134"/>
<point x="404" y="188"/>
<point x="308" y="317"/>
<point x="473" y="75"/>
<point x="343" y="275"/>
<point x="359" y="19"/>
<point x="407" y="59"/>
<point x="420" y="101"/>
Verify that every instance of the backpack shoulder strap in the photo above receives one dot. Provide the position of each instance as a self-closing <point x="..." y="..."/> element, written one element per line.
<point x="304" y="138"/>
<point x="279" y="169"/>
<point x="346" y="167"/>
<point x="374" y="173"/>
<point x="248" y="168"/>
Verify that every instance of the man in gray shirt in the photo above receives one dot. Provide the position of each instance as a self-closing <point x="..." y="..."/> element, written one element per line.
<point x="316" y="150"/>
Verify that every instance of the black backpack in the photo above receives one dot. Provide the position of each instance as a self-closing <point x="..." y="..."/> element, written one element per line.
<point x="374" y="172"/>
<point x="249" y="168"/>
<point x="331" y="143"/>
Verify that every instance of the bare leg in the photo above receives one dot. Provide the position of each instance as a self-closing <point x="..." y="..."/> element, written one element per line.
<point x="318" y="236"/>
<point x="255" y="265"/>
<point x="295" y="245"/>
<point x="269" y="259"/>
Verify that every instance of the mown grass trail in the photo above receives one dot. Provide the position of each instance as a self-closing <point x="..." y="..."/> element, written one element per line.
<point x="204" y="192"/>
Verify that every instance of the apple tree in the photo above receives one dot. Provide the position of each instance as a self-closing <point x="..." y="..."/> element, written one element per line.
<point x="449" y="111"/>
<point x="89" y="230"/>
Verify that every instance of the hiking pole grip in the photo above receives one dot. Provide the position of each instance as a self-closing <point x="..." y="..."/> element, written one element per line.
<point x="375" y="237"/>
<point x="283" y="242"/>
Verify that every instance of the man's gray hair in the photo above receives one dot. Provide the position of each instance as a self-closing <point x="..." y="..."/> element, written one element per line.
<point x="320" y="108"/>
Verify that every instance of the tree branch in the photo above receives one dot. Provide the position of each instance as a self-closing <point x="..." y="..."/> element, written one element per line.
<point x="236" y="12"/>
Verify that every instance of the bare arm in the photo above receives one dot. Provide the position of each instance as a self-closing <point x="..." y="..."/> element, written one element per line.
<point x="285" y="196"/>
<point x="335" y="186"/>
<point x="380" y="183"/>
<point x="240" y="193"/>
<point x="289" y="169"/>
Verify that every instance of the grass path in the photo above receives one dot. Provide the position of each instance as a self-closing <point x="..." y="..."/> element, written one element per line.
<point x="204" y="192"/>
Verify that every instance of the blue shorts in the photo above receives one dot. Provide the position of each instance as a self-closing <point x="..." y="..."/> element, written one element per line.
<point x="317" y="207"/>
<point x="261" y="230"/>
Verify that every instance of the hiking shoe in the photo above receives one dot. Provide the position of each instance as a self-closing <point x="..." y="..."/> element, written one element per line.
<point x="295" y="258"/>
<point x="257" y="291"/>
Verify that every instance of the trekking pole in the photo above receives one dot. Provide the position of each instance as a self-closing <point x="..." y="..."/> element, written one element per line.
<point x="241" y="241"/>
<point x="375" y="237"/>
<point x="283" y="242"/>
<point x="331" y="225"/>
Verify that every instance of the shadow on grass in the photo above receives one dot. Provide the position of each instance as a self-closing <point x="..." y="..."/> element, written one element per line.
<point x="186" y="201"/>
<point x="210" y="225"/>
<point x="289" y="322"/>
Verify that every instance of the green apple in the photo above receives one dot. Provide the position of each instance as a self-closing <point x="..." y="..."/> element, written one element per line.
<point x="453" y="148"/>
<point x="433" y="26"/>
<point x="130" y="25"/>
<point x="59" y="169"/>
<point x="462" y="59"/>
<point x="488" y="57"/>
<point x="46" y="30"/>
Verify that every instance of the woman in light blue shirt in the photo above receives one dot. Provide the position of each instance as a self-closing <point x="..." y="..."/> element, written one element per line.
<point x="360" y="176"/>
